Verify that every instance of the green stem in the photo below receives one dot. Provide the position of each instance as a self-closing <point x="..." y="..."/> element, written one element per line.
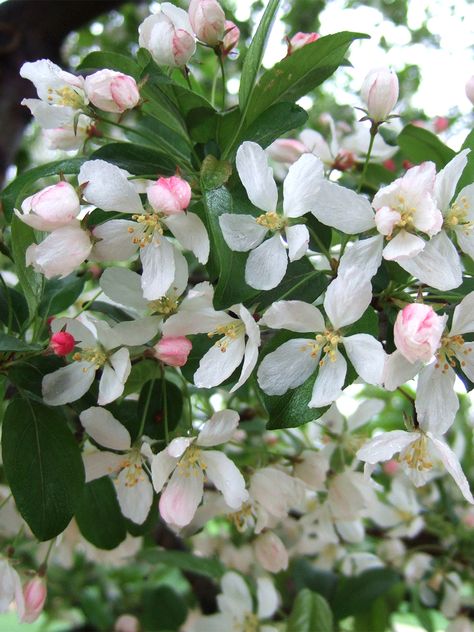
<point x="145" y="410"/>
<point x="221" y="63"/>
<point x="321" y="246"/>
<point x="213" y="91"/>
<point x="373" y="134"/>
<point x="165" y="404"/>
<point x="88" y="304"/>
<point x="5" y="500"/>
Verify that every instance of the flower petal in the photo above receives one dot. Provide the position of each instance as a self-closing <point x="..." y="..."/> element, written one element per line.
<point x="179" y="501"/>
<point x="137" y="332"/>
<point x="367" y="356"/>
<point x="135" y="500"/>
<point x="295" y="316"/>
<point x="219" y="429"/>
<point x="257" y="176"/>
<point x="123" y="286"/>
<point x="217" y="364"/>
<point x="347" y="298"/>
<point x="107" y="431"/>
<point x="100" y="463"/>
<point x="343" y="209"/>
<point x="235" y="598"/>
<point x="385" y="445"/>
<point x="226" y="477"/>
<point x="114" y="241"/>
<point x="241" y="232"/>
<point x="329" y="381"/>
<point x="398" y="370"/>
<point x="436" y="401"/>
<point x="452" y="465"/>
<point x="267" y="598"/>
<point x="266" y="265"/>
<point x="447" y="179"/>
<point x="287" y="367"/>
<point x="191" y="234"/>
<point x="297" y="238"/>
<point x="107" y="187"/>
<point x="158" y="268"/>
<point x="404" y="245"/>
<point x="68" y="383"/>
<point x="463" y="317"/>
<point x="162" y="464"/>
<point x="362" y="258"/>
<point x="301" y="186"/>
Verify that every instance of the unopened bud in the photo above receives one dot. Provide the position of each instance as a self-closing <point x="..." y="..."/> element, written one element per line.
<point x="380" y="93"/>
<point x="231" y="37"/>
<point x="271" y="552"/>
<point x="301" y="39"/>
<point x="112" y="91"/>
<point x="169" y="195"/>
<point x="208" y="20"/>
<point x="173" y="350"/>
<point x="62" y="343"/>
<point x="34" y="594"/>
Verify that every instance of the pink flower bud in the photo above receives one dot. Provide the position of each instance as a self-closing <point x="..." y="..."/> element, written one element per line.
<point x="169" y="195"/>
<point x="51" y="208"/>
<point x="208" y="20"/>
<point x="34" y="593"/>
<point x="62" y="343"/>
<point x="286" y="150"/>
<point x="112" y="91"/>
<point x="470" y="89"/>
<point x="168" y="36"/>
<point x="345" y="160"/>
<point x="441" y="124"/>
<point x="173" y="350"/>
<point x="391" y="467"/>
<point x="301" y="39"/>
<point x="127" y="623"/>
<point x="271" y="552"/>
<point x="380" y="93"/>
<point x="231" y="37"/>
<point x="417" y="331"/>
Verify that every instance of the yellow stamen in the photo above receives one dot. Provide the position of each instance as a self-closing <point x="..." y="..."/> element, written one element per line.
<point x="272" y="221"/>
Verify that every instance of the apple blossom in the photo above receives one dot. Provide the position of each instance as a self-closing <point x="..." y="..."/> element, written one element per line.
<point x="53" y="207"/>
<point x="271" y="552"/>
<point x="301" y="39"/>
<point x="420" y="451"/>
<point x="207" y="20"/>
<point x="112" y="91"/>
<point x="10" y="588"/>
<point x="69" y="137"/>
<point x="268" y="260"/>
<point x="63" y="250"/>
<point x="34" y="593"/>
<point x="108" y="187"/>
<point x="187" y="462"/>
<point x="470" y="89"/>
<point x="173" y="350"/>
<point x="236" y="610"/>
<point x="418" y="331"/>
<point x="101" y="347"/>
<point x="380" y="93"/>
<point x="295" y="360"/>
<point x="133" y="486"/>
<point x="62" y="343"/>
<point x="239" y="338"/>
<point x="168" y="35"/>
<point x="231" y="37"/>
<point x="60" y="93"/>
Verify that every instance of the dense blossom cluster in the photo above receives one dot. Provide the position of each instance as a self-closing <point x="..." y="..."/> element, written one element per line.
<point x="156" y="243"/>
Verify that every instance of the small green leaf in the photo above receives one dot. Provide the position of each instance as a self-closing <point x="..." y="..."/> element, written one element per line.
<point x="136" y="159"/>
<point x="98" y="515"/>
<point x="10" y="343"/>
<point x="43" y="466"/>
<point x="310" y="613"/>
<point x="115" y="61"/>
<point x="28" y="374"/>
<point x="214" y="172"/>
<point x="253" y="58"/>
<point x="13" y="308"/>
<point x="141" y="372"/>
<point x="419" y="144"/>
<point x="300" y="72"/>
<point x="31" y="282"/>
<point x="163" y="609"/>
<point x="355" y="594"/>
<point x="59" y="294"/>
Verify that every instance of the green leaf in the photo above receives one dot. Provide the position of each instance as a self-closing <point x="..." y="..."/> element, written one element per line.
<point x="59" y="294"/>
<point x="272" y="124"/>
<point x="253" y="58"/>
<point x="13" y="308"/>
<point x="136" y="159"/>
<point x="163" y="609"/>
<point x="215" y="173"/>
<point x="23" y="184"/>
<point x="207" y="566"/>
<point x="141" y="372"/>
<point x="155" y="417"/>
<point x="98" y="515"/>
<point x="310" y="613"/>
<point x="291" y="409"/>
<point x="115" y="61"/>
<point x="43" y="466"/>
<point x="300" y="72"/>
<point x="419" y="144"/>
<point x="356" y="594"/>
<point x="28" y="374"/>
<point x="10" y="343"/>
<point x="467" y="176"/>
<point x="31" y="282"/>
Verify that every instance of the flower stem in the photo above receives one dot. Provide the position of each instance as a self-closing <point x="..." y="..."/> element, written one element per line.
<point x="164" y="403"/>
<point x="145" y="410"/>
<point x="373" y="133"/>
<point x="221" y="62"/>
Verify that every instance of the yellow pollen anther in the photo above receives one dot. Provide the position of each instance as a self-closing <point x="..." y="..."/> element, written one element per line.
<point x="67" y="97"/>
<point x="165" y="305"/>
<point x="457" y="216"/>
<point x="451" y="346"/>
<point x="230" y="332"/>
<point x="271" y="221"/>
<point x="327" y="343"/>
<point x="416" y="455"/>
<point x="149" y="228"/>
<point x="97" y="356"/>
<point x="191" y="461"/>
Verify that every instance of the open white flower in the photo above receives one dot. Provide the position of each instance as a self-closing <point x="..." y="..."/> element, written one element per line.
<point x="187" y="461"/>
<point x="61" y="94"/>
<point x="239" y="337"/>
<point x="101" y="347"/>
<point x="236" y="610"/>
<point x="420" y="451"/>
<point x="440" y="254"/>
<point x="295" y="360"/>
<point x="107" y="187"/>
<point x="267" y="262"/>
<point x="10" y="589"/>
<point x="133" y="486"/>
<point x="436" y="400"/>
